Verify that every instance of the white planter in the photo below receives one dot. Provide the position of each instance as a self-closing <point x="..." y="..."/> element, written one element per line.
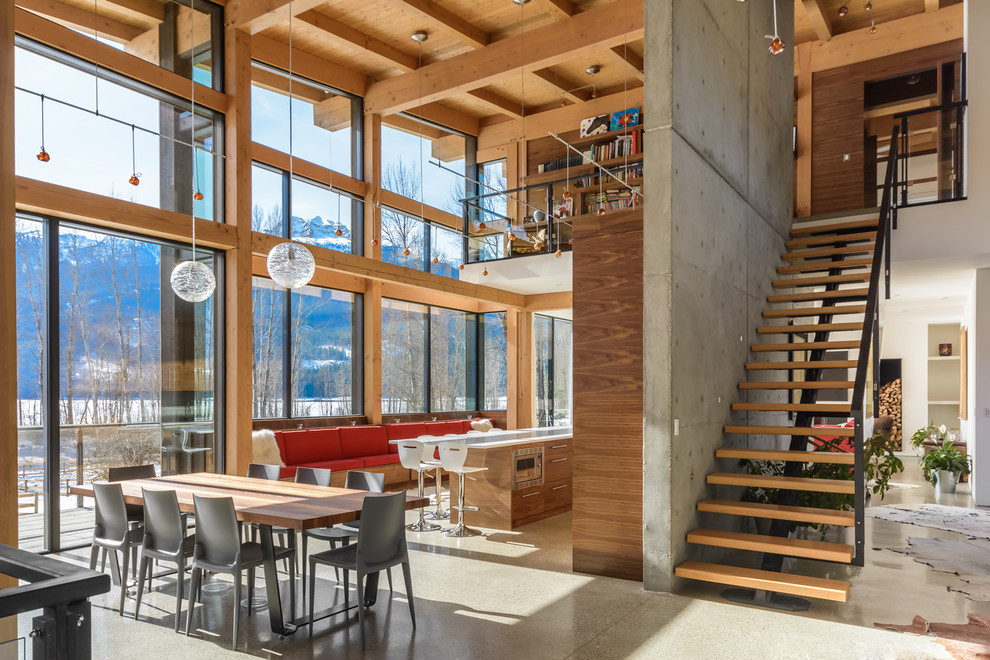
<point x="947" y="481"/>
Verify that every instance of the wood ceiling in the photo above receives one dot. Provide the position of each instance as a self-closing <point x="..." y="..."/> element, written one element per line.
<point x="819" y="20"/>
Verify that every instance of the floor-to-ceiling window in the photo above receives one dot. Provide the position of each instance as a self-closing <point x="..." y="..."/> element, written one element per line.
<point x="411" y="242"/>
<point x="494" y="360"/>
<point x="113" y="369"/>
<point x="553" y="370"/>
<point x="307" y="351"/>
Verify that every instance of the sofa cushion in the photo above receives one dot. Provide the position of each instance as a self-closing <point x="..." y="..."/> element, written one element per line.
<point x="311" y="445"/>
<point x="384" y="459"/>
<point x="338" y="465"/>
<point x="406" y="431"/>
<point x="443" y="428"/>
<point x="281" y="445"/>
<point x="360" y="441"/>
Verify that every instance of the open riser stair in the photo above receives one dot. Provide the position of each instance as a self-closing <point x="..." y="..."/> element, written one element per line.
<point x="814" y="324"/>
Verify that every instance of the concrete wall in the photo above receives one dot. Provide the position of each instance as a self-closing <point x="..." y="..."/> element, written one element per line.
<point x="718" y="205"/>
<point x="979" y="394"/>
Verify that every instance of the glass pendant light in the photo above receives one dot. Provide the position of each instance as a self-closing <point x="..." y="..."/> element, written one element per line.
<point x="776" y="43"/>
<point x="843" y="10"/>
<point x="135" y="179"/>
<point x="290" y="264"/>
<point x="193" y="280"/>
<point x="43" y="155"/>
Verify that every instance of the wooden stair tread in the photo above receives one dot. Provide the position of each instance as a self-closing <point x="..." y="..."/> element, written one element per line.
<point x="836" y="457"/>
<point x="787" y="385"/>
<point x="818" y="295"/>
<point x="806" y="346"/>
<point x="798" y="312"/>
<point x="779" y="512"/>
<point x="751" y="578"/>
<point x="809" y="328"/>
<point x="809" y="230"/>
<point x="811" y="266"/>
<point x="841" y="486"/>
<point x="822" y="280"/>
<point x="827" y="239"/>
<point x="820" y="364"/>
<point x="818" y="253"/>
<point x="821" y="408"/>
<point x="823" y="550"/>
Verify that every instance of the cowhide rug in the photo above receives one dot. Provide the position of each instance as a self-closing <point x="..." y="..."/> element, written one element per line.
<point x="968" y="640"/>
<point x="970" y="560"/>
<point x="974" y="523"/>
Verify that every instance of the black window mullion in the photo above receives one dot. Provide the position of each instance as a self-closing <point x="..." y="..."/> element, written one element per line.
<point x="357" y="355"/>
<point x="428" y="361"/>
<point x="51" y="418"/>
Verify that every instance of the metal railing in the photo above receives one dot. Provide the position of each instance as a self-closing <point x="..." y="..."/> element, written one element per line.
<point x="868" y="361"/>
<point x="931" y="155"/>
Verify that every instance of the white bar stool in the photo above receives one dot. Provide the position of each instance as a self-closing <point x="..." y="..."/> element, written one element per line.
<point x="411" y="458"/>
<point x="431" y="443"/>
<point x="452" y="457"/>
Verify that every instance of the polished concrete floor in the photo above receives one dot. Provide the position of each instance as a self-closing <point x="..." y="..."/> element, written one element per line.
<point x="512" y="595"/>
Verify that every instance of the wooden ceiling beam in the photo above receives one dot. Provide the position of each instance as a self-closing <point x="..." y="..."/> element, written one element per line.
<point x="447" y="20"/>
<point x="147" y="8"/>
<point x="83" y="18"/>
<point x="255" y="16"/>
<point x="273" y="52"/>
<point x="584" y="34"/>
<point x="931" y="5"/>
<point x="355" y="37"/>
<point x="498" y="102"/>
<point x="634" y="63"/>
<point x="558" y="8"/>
<point x="568" y="88"/>
<point x="444" y="115"/>
<point x="816" y="12"/>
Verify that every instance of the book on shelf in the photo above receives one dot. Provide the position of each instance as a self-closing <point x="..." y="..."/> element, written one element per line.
<point x="611" y="200"/>
<point x="621" y="146"/>
<point x="559" y="163"/>
<point x="634" y="171"/>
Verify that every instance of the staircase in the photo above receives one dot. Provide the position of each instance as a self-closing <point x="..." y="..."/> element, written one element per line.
<point x="829" y="268"/>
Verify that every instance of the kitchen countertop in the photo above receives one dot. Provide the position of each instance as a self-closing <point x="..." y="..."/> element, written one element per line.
<point x="500" y="438"/>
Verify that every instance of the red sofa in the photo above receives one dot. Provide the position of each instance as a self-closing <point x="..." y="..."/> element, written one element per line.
<point x="355" y="447"/>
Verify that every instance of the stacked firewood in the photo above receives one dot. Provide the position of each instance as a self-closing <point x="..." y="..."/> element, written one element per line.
<point x="890" y="405"/>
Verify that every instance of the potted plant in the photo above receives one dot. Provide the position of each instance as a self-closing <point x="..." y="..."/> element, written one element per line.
<point x="944" y="465"/>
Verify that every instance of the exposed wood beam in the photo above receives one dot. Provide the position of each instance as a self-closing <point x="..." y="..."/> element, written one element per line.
<point x="355" y="37"/>
<point x="148" y="8"/>
<point x="802" y="188"/>
<point x="81" y="18"/>
<point x="255" y="16"/>
<point x="446" y="116"/>
<point x="931" y="5"/>
<point x="110" y="212"/>
<point x="558" y="8"/>
<point x="448" y="20"/>
<point x="819" y="19"/>
<point x="498" y="102"/>
<point x="62" y="38"/>
<point x="546" y="301"/>
<point x="568" y="88"/>
<point x="548" y="45"/>
<point x="352" y="264"/>
<point x="333" y="113"/>
<point x="274" y="52"/>
<point x="308" y="170"/>
<point x="633" y="62"/>
<point x="278" y="83"/>
<point x="412" y="207"/>
<point x="902" y="35"/>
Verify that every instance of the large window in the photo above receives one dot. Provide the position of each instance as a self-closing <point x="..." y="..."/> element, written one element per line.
<point x="304" y="347"/>
<point x="436" y="359"/>
<point x="410" y="242"/>
<point x="321" y="120"/>
<point x="132" y="375"/>
<point x="320" y="215"/>
<point x="411" y="152"/>
<point x="553" y="371"/>
<point x="102" y="132"/>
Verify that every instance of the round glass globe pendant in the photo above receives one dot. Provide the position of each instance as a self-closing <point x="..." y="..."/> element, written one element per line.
<point x="291" y="265"/>
<point x="193" y="281"/>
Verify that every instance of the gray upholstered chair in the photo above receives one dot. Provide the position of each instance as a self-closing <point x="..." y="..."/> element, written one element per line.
<point x="263" y="471"/>
<point x="219" y="549"/>
<point x="113" y="533"/>
<point x="313" y="476"/>
<point x="381" y="544"/>
<point x="164" y="540"/>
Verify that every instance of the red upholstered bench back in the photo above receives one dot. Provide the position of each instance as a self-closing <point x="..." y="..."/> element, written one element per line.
<point x="443" y="428"/>
<point x="310" y="446"/>
<point x="363" y="441"/>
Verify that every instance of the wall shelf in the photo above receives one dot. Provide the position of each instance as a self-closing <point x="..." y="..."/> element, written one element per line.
<point x="943" y="403"/>
<point x="943" y="357"/>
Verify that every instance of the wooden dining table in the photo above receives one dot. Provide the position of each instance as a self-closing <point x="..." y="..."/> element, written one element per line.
<point x="269" y="504"/>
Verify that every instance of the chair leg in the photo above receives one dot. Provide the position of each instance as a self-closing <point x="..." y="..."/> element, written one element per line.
<point x="336" y="571"/>
<point x="360" y="589"/>
<point x="103" y="563"/>
<point x="389" y="573"/>
<point x="292" y="584"/>
<point x="123" y="579"/>
<point x="250" y="598"/>
<point x="114" y="565"/>
<point x="194" y="581"/>
<point x="237" y="605"/>
<point x="305" y="544"/>
<point x="134" y="561"/>
<point x="145" y="566"/>
<point x="180" y="579"/>
<point x="409" y="592"/>
<point x="93" y="553"/>
<point x="312" y="592"/>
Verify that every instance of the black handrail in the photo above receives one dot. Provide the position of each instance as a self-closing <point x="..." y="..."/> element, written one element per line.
<point x="935" y="108"/>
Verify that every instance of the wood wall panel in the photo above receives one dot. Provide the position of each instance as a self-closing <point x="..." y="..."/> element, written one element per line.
<point x="608" y="401"/>
<point x="838" y="123"/>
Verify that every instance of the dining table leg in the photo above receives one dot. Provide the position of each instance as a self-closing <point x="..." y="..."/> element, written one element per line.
<point x="279" y="625"/>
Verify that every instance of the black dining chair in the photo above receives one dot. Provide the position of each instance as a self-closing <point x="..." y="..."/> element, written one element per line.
<point x="381" y="544"/>
<point x="219" y="549"/>
<point x="164" y="540"/>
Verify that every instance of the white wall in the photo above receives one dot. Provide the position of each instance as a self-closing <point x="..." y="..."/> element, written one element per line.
<point x="979" y="343"/>
<point x="908" y="341"/>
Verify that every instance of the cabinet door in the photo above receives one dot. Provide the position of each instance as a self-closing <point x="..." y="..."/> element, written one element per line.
<point x="558" y="495"/>
<point x="557" y="467"/>
<point x="527" y="502"/>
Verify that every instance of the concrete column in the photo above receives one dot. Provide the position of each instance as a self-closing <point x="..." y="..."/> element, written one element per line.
<point x="978" y="440"/>
<point x="719" y="112"/>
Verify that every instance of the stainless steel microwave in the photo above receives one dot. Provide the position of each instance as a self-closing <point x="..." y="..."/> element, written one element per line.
<point x="527" y="467"/>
